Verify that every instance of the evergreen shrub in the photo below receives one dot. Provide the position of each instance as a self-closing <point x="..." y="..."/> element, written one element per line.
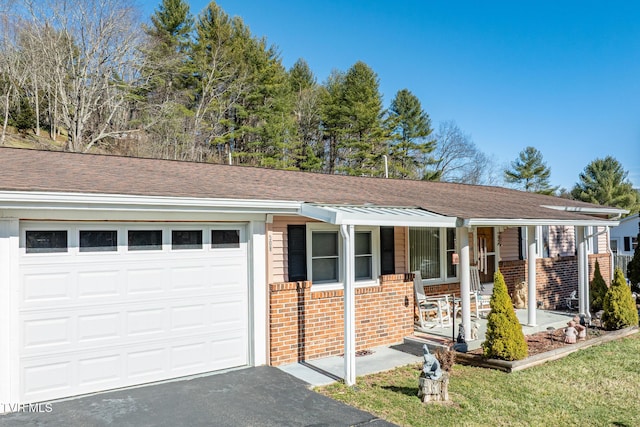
<point x="619" y="307"/>
<point x="504" y="337"/>
<point x="597" y="289"/>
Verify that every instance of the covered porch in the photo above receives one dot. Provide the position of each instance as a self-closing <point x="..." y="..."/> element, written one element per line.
<point x="446" y="335"/>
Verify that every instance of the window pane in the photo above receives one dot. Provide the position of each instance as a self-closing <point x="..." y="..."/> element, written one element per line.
<point x="98" y="241"/>
<point x="186" y="239"/>
<point x="363" y="243"/>
<point x="451" y="246"/>
<point x="424" y="251"/>
<point x="324" y="243"/>
<point x="225" y="238"/>
<point x="46" y="241"/>
<point x="144" y="240"/>
<point x="363" y="268"/>
<point x="325" y="270"/>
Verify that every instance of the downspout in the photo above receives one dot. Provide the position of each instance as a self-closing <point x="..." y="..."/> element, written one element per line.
<point x="348" y="238"/>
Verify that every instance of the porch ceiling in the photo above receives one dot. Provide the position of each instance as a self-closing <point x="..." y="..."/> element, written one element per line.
<point x="376" y="216"/>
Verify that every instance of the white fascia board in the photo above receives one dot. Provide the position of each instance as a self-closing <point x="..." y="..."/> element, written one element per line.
<point x="118" y="202"/>
<point x="588" y="210"/>
<point x="376" y="216"/>
<point x="493" y="222"/>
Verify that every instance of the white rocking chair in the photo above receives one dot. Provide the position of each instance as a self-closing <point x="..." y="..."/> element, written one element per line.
<point x="433" y="310"/>
<point x="481" y="301"/>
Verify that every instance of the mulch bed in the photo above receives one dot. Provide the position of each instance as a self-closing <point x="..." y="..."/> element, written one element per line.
<point x="543" y="342"/>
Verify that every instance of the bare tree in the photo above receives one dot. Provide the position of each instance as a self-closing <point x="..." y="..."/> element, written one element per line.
<point x="89" y="48"/>
<point x="11" y="68"/>
<point x="459" y="160"/>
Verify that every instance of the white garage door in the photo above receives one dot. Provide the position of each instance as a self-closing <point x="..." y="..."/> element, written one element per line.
<point x="111" y="305"/>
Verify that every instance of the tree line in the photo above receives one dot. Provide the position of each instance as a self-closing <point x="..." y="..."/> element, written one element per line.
<point x="91" y="76"/>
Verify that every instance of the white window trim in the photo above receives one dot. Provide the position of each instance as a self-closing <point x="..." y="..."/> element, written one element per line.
<point x="375" y="248"/>
<point x="442" y="242"/>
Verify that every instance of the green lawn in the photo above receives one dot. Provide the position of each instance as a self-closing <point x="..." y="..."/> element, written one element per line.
<point x="598" y="386"/>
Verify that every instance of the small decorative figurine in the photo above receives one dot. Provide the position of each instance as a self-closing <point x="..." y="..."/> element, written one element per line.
<point x="431" y="366"/>
<point x="474" y="330"/>
<point x="570" y="333"/>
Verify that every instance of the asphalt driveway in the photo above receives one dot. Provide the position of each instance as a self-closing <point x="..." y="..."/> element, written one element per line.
<point x="261" y="396"/>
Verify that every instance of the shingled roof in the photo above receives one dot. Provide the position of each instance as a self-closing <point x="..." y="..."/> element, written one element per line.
<point x="48" y="171"/>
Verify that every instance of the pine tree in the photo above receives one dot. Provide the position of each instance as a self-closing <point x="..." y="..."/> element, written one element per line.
<point x="530" y="173"/>
<point x="597" y="289"/>
<point x="619" y="307"/>
<point x="411" y="131"/>
<point x="362" y="148"/>
<point x="504" y="337"/>
<point x="604" y="182"/>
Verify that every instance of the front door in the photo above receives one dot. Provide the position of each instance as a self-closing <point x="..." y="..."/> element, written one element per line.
<point x="486" y="253"/>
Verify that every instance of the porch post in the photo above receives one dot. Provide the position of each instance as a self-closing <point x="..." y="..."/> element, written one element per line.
<point x="465" y="280"/>
<point x="348" y="239"/>
<point x="531" y="276"/>
<point x="582" y="268"/>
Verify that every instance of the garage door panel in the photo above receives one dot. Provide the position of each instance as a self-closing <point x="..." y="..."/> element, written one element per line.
<point x="46" y="333"/>
<point x="147" y="321"/>
<point x="46" y="287"/>
<point x="92" y="327"/>
<point x="144" y="281"/>
<point x="92" y="322"/>
<point x="92" y="284"/>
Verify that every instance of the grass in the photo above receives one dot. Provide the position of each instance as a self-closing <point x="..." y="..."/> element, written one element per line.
<point x="598" y="386"/>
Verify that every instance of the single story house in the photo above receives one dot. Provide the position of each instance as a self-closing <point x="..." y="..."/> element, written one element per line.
<point x="624" y="237"/>
<point x="120" y="271"/>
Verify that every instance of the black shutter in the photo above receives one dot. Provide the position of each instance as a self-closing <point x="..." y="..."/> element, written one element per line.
<point x="387" y="251"/>
<point x="627" y="244"/>
<point x="297" y="253"/>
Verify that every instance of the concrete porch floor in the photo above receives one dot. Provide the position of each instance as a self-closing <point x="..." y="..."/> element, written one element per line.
<point x="327" y="370"/>
<point x="544" y="320"/>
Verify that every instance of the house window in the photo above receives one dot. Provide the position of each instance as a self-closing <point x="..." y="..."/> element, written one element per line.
<point x="98" y="240"/>
<point x="144" y="240"/>
<point x="614" y="246"/>
<point x="186" y="239"/>
<point x="227" y="239"/>
<point x="451" y="249"/>
<point x="325" y="256"/>
<point x="363" y="255"/>
<point x="39" y="242"/>
<point x="431" y="251"/>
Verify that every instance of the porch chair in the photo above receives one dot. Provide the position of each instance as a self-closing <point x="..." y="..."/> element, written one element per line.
<point x="481" y="301"/>
<point x="432" y="307"/>
<point x="572" y="300"/>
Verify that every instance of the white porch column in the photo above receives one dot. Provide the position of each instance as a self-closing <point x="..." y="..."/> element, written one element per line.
<point x="9" y="333"/>
<point x="583" y="269"/>
<point x="348" y="240"/>
<point x="258" y="291"/>
<point x="465" y="280"/>
<point x="531" y="276"/>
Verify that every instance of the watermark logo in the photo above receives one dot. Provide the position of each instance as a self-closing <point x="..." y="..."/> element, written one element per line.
<point x="26" y="407"/>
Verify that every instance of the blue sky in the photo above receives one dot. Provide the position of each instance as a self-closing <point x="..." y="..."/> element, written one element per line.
<point x="561" y="76"/>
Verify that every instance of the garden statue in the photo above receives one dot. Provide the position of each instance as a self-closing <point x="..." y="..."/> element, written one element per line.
<point x="570" y="333"/>
<point x="520" y="295"/>
<point x="431" y="366"/>
<point x="580" y="325"/>
<point x="461" y="344"/>
<point x="474" y="330"/>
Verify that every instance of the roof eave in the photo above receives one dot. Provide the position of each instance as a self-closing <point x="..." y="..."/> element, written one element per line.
<point x="523" y="222"/>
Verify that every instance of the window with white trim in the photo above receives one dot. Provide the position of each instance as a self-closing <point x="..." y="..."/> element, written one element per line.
<point x="431" y="251"/>
<point x="325" y="260"/>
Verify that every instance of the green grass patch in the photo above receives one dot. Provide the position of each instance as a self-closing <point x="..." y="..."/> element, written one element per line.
<point x="598" y="386"/>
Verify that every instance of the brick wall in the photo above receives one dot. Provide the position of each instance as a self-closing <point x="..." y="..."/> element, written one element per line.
<point x="306" y="324"/>
<point x="556" y="277"/>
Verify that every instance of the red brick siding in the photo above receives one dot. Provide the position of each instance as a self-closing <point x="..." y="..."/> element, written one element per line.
<point x="306" y="324"/>
<point x="556" y="278"/>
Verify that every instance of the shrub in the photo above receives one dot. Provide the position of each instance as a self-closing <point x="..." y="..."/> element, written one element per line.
<point x="597" y="289"/>
<point x="447" y="359"/>
<point x="619" y="308"/>
<point x="504" y="337"/>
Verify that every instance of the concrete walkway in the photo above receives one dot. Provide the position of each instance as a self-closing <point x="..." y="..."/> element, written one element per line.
<point x="261" y="396"/>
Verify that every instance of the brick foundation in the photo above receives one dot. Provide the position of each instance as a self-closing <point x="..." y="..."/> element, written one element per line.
<point x="306" y="324"/>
